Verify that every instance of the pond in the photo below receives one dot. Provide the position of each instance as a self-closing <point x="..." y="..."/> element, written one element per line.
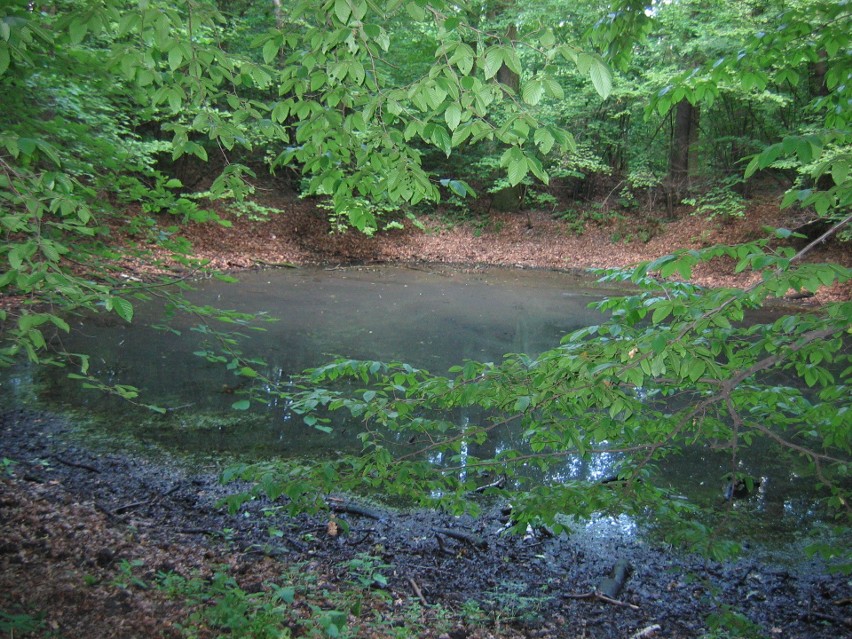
<point x="431" y="318"/>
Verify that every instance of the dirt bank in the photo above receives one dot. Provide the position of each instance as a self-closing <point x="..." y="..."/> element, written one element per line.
<point x="300" y="233"/>
<point x="76" y="519"/>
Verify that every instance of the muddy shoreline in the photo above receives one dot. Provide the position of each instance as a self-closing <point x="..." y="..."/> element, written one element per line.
<point x="161" y="503"/>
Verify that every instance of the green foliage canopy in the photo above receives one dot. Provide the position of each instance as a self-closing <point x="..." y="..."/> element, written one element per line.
<point x="98" y="95"/>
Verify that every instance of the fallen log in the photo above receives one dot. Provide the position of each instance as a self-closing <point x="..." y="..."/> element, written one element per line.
<point x="498" y="483"/>
<point x="344" y="506"/>
<point x="813" y="616"/>
<point x="611" y="586"/>
<point x="128" y="507"/>
<point x="460" y="535"/>
<point x="197" y="531"/>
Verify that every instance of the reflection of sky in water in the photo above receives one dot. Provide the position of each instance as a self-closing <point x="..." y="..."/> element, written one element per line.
<point x="596" y="468"/>
<point x="609" y="526"/>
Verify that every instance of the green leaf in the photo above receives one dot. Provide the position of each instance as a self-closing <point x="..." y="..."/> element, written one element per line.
<point x="511" y="60"/>
<point x="77" y="29"/>
<point x="8" y="277"/>
<point x="661" y="312"/>
<point x="460" y="188"/>
<point x="4" y="57"/>
<point x="463" y="57"/>
<point x="175" y="58"/>
<point x="242" y="404"/>
<point x="49" y="250"/>
<point x="122" y="308"/>
<point x="197" y="150"/>
<point x="342" y="10"/>
<point x="415" y="11"/>
<point x="552" y="87"/>
<point x="601" y="76"/>
<point x="27" y="146"/>
<point x="441" y="138"/>
<point x="532" y="92"/>
<point x="537" y="169"/>
<point x="752" y="167"/>
<point x="840" y="171"/>
<point x="270" y="50"/>
<point x="518" y="169"/>
<point x="452" y="116"/>
<point x="696" y="370"/>
<point x="492" y="62"/>
<point x="544" y="139"/>
<point x="60" y="323"/>
<point x="19" y="253"/>
<point x="175" y="100"/>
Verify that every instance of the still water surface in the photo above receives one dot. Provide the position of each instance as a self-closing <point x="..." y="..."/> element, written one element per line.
<point x="431" y="319"/>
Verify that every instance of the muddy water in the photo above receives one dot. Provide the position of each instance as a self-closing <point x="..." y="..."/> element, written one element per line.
<point x="429" y="318"/>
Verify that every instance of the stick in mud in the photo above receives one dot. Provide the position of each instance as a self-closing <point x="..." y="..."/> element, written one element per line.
<point x="417" y="591"/>
<point x="344" y="506"/>
<point x="469" y="538"/>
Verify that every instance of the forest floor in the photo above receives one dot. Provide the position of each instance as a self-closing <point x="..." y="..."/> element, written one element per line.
<point x="526" y="239"/>
<point x="88" y="536"/>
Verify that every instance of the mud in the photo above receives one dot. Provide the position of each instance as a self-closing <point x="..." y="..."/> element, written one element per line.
<point x="534" y="583"/>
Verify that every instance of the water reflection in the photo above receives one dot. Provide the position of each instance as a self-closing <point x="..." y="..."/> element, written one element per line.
<point x="431" y="319"/>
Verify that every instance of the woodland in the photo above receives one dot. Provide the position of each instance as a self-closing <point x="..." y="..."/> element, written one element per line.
<point x="144" y="144"/>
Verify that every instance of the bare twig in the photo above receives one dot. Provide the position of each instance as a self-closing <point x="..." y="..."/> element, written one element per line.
<point x="65" y="462"/>
<point x="647" y="632"/>
<point x="417" y="591"/>
<point x="597" y="594"/>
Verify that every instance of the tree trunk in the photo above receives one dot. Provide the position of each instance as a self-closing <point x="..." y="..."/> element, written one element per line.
<point x="279" y="16"/>
<point x="505" y="75"/>
<point x="511" y="198"/>
<point x="682" y="156"/>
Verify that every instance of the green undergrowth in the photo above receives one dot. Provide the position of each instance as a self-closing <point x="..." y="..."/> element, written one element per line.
<point x="347" y="600"/>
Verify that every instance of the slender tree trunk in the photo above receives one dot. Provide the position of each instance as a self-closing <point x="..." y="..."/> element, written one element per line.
<point x="279" y="16"/>
<point x="505" y="75"/>
<point x="682" y="155"/>
<point x="511" y="198"/>
<point x="817" y="75"/>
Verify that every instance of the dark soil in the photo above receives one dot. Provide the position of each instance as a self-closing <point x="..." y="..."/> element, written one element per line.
<point x="71" y="514"/>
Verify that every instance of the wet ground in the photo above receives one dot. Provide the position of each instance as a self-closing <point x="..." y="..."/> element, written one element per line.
<point x="534" y="586"/>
